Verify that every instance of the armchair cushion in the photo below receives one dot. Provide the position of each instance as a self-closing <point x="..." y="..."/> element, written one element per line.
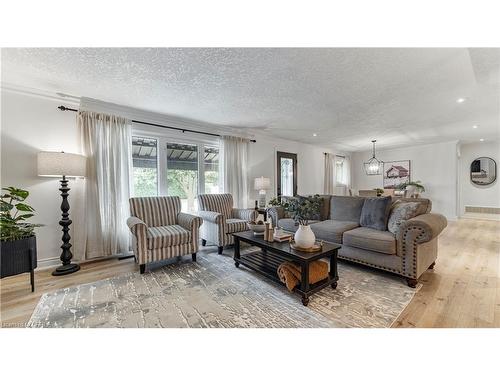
<point x="236" y="225"/>
<point x="166" y="236"/>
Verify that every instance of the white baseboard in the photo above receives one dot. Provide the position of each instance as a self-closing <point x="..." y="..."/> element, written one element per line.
<point x="480" y="216"/>
<point x="48" y="263"/>
<point x="55" y="261"/>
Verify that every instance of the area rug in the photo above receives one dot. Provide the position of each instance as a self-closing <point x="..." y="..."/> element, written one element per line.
<point x="214" y="293"/>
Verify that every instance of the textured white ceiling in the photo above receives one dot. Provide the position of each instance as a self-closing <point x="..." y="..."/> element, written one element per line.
<point x="346" y="96"/>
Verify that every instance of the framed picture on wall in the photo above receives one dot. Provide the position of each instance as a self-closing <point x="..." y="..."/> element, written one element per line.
<point x="396" y="173"/>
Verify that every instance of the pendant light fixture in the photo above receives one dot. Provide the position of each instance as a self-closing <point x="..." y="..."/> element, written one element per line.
<point x="373" y="166"/>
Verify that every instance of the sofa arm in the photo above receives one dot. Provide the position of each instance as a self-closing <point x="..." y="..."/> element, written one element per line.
<point x="211" y="216"/>
<point x="188" y="221"/>
<point x="275" y="213"/>
<point x="136" y="225"/>
<point x="422" y="228"/>
<point x="417" y="243"/>
<point x="248" y="214"/>
<point x="139" y="229"/>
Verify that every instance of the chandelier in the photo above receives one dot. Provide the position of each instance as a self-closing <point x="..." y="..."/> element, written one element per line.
<point x="373" y="166"/>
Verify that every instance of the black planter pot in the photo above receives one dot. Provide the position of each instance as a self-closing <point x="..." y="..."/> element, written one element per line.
<point x="17" y="257"/>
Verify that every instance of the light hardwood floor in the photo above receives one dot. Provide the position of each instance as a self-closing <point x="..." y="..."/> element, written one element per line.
<point x="463" y="290"/>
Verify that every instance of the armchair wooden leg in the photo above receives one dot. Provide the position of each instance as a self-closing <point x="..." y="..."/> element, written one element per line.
<point x="193" y="256"/>
<point x="219" y="249"/>
<point x="203" y="242"/>
<point x="431" y="267"/>
<point x="142" y="268"/>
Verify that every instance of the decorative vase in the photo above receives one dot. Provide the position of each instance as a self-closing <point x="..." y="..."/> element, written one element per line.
<point x="304" y="237"/>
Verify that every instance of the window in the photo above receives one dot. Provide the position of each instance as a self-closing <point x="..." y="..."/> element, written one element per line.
<point x="340" y="173"/>
<point x="182" y="174"/>
<point x="211" y="170"/>
<point x="163" y="165"/>
<point x="145" y="166"/>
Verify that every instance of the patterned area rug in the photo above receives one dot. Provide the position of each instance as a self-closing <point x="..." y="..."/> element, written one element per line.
<point x="214" y="293"/>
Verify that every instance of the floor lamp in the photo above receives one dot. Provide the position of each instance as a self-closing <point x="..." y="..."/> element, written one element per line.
<point x="61" y="164"/>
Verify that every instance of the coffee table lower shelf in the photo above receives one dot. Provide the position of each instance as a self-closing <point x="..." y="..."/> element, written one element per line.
<point x="266" y="263"/>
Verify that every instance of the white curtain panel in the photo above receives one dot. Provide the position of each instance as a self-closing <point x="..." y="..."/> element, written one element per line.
<point x="330" y="168"/>
<point x="106" y="141"/>
<point x="235" y="170"/>
<point x="347" y="178"/>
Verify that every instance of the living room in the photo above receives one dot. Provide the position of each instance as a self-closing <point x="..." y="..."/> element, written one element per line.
<point x="331" y="187"/>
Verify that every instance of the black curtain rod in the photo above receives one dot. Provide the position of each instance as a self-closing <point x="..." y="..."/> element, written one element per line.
<point x="63" y="108"/>
<point x="340" y="156"/>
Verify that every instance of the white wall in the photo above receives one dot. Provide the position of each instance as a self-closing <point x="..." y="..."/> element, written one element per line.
<point x="31" y="124"/>
<point x="474" y="195"/>
<point x="433" y="164"/>
<point x="310" y="165"/>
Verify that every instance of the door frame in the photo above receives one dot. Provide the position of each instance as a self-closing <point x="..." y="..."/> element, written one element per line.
<point x="287" y="155"/>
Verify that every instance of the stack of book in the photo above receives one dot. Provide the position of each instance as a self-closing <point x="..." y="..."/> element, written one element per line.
<point x="282" y="237"/>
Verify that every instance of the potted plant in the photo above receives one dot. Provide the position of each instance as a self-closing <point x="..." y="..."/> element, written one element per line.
<point x="379" y="191"/>
<point x="17" y="235"/>
<point x="303" y="209"/>
<point x="274" y="202"/>
<point x="413" y="188"/>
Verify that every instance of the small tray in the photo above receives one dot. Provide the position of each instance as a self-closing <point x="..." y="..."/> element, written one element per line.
<point x="314" y="248"/>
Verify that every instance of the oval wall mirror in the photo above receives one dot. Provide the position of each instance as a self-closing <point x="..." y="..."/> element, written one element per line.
<point x="483" y="171"/>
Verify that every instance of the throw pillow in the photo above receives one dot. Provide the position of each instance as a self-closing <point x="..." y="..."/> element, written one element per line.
<point x="375" y="213"/>
<point x="402" y="211"/>
<point x="346" y="208"/>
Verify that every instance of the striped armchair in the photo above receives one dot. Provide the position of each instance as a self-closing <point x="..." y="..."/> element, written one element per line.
<point x="160" y="230"/>
<point x="220" y="219"/>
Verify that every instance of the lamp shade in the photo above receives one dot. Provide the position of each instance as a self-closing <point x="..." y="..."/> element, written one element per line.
<point x="262" y="183"/>
<point x="56" y="164"/>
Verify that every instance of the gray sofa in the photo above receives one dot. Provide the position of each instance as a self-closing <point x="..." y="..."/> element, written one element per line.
<point x="409" y="252"/>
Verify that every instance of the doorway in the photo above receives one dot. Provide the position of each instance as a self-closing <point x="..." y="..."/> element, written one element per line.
<point x="286" y="174"/>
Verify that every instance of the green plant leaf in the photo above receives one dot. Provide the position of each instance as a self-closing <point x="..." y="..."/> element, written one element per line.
<point x="4" y="206"/>
<point x="24" y="207"/>
<point x="23" y="217"/>
<point x="18" y="194"/>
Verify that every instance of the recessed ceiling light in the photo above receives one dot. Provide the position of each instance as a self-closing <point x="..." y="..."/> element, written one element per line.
<point x="481" y="140"/>
<point x="315" y="135"/>
<point x="460" y="100"/>
<point x="474" y="126"/>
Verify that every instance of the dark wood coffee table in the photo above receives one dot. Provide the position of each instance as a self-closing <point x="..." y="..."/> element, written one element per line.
<point x="271" y="254"/>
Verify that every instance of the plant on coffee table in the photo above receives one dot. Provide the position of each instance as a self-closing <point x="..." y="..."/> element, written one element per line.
<point x="302" y="209"/>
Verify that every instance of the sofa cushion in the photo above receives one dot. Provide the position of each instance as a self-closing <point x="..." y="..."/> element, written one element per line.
<point x="290" y="225"/>
<point x="375" y="213"/>
<point x="236" y="225"/>
<point x="424" y="204"/>
<point x="325" y="207"/>
<point x="346" y="208"/>
<point x="332" y="230"/>
<point x="170" y="235"/>
<point x="400" y="212"/>
<point x="370" y="239"/>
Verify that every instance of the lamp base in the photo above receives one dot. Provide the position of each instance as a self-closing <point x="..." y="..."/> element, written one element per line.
<point x="262" y="199"/>
<point x="66" y="269"/>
